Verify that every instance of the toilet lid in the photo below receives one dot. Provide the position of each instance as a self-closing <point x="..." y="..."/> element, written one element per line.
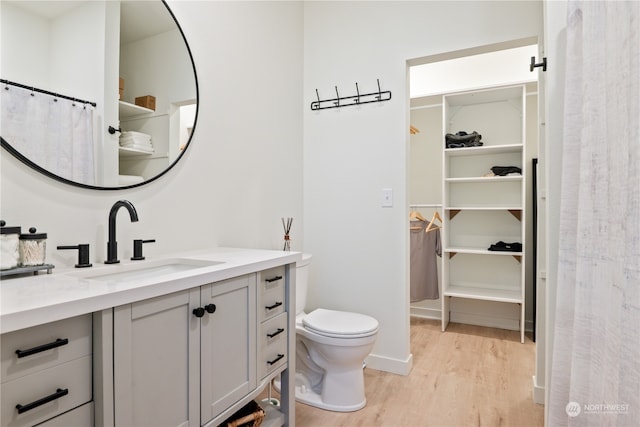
<point x="340" y="323"/>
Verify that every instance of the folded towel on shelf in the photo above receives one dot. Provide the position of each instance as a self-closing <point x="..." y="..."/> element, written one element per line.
<point x="140" y="147"/>
<point x="134" y="137"/>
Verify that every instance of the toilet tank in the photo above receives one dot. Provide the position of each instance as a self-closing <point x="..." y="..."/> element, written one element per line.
<point x="302" y="282"/>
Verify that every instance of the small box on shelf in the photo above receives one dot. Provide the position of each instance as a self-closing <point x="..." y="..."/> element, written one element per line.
<point x="146" y="101"/>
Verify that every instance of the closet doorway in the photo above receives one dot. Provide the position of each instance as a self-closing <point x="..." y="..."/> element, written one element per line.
<point x="431" y="79"/>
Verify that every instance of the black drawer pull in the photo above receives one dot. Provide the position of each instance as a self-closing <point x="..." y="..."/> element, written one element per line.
<point x="198" y="312"/>
<point x="44" y="347"/>
<point x="278" y="332"/>
<point x="29" y="406"/>
<point x="271" y="307"/>
<point x="271" y="362"/>
<point x="273" y="279"/>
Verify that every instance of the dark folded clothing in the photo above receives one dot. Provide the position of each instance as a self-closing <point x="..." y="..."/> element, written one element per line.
<point x="505" y="170"/>
<point x="463" y="139"/>
<point x="508" y="247"/>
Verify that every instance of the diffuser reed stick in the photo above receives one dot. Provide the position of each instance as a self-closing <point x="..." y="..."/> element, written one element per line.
<point x="287" y="228"/>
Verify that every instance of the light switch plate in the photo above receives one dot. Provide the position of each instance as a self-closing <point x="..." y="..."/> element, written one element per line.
<point x="387" y="197"/>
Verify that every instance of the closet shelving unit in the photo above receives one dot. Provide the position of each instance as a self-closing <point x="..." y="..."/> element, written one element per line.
<point x="482" y="210"/>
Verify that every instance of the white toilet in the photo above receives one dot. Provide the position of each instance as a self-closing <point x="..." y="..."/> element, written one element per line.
<point x="330" y="350"/>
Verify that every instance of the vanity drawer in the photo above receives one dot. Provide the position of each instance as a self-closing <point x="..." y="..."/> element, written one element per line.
<point x="271" y="293"/>
<point x="273" y="344"/>
<point x="79" y="417"/>
<point x="30" y="350"/>
<point x="65" y="386"/>
<point x="271" y="278"/>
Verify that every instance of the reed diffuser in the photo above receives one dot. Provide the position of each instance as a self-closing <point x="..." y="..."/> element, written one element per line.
<point x="287" y="228"/>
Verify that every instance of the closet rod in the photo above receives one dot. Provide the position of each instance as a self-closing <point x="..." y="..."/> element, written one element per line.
<point x="427" y="205"/>
<point x="35" y="89"/>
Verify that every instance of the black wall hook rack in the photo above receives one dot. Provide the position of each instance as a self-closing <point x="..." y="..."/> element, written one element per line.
<point x="346" y="101"/>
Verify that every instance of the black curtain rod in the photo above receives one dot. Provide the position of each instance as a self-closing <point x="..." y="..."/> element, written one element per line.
<point x="35" y="89"/>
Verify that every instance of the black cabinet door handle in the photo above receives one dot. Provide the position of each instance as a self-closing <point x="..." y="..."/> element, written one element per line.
<point x="211" y="308"/>
<point x="44" y="347"/>
<point x="271" y="307"/>
<point x="276" y="333"/>
<point x="273" y="279"/>
<point x="29" y="406"/>
<point x="271" y="362"/>
<point x="198" y="312"/>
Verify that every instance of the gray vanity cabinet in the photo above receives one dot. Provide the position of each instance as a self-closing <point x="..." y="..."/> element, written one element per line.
<point x="46" y="374"/>
<point x="228" y="344"/>
<point x="155" y="355"/>
<point x="183" y="358"/>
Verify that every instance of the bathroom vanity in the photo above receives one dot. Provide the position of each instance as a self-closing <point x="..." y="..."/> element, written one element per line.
<point x="184" y="340"/>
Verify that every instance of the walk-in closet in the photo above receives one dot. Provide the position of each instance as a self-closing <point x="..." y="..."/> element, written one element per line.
<point x="473" y="141"/>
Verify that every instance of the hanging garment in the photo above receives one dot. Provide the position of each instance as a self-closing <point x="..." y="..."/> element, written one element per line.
<point x="425" y="248"/>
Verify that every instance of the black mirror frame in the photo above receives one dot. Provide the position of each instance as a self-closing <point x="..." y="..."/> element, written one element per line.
<point x="43" y="171"/>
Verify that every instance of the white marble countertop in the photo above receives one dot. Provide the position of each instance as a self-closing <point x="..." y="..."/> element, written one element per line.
<point x="43" y="298"/>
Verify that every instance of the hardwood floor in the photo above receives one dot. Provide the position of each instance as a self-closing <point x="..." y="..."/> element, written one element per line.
<point x="466" y="376"/>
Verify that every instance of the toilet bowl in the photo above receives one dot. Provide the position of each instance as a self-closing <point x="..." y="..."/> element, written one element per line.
<point x="331" y="347"/>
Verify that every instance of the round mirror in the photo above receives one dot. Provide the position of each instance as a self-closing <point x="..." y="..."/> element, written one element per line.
<point x="97" y="94"/>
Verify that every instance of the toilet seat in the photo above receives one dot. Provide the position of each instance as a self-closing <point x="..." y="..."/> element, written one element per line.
<point x="340" y="324"/>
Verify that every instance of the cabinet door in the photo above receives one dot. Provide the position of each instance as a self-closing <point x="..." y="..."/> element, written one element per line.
<point x="156" y="361"/>
<point x="228" y="344"/>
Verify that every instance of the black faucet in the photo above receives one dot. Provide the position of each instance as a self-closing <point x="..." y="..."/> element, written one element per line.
<point x="112" y="245"/>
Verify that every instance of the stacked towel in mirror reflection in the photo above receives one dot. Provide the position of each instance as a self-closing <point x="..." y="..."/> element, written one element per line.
<point x="136" y="141"/>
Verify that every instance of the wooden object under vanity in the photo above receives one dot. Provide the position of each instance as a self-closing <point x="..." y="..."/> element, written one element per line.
<point x="183" y="352"/>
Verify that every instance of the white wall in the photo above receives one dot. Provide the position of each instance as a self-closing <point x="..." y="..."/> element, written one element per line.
<point x="361" y="249"/>
<point x="239" y="177"/>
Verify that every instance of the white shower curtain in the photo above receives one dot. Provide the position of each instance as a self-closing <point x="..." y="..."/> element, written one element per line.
<point x="54" y="133"/>
<point x="595" y="373"/>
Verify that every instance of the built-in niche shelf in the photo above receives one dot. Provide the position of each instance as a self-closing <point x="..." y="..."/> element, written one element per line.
<point x="128" y="109"/>
<point x="132" y="152"/>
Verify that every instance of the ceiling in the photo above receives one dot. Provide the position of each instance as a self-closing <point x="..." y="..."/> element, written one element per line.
<point x="138" y="19"/>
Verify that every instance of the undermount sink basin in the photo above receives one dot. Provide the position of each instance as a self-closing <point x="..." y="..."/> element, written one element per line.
<point x="146" y="269"/>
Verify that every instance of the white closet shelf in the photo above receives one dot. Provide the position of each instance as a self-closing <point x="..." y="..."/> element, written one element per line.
<point x="484" y="96"/>
<point x="485" y="149"/>
<point x="485" y="179"/>
<point x="478" y="251"/>
<point x="483" y="208"/>
<point x="486" y="292"/>
<point x="128" y="109"/>
<point x="132" y="152"/>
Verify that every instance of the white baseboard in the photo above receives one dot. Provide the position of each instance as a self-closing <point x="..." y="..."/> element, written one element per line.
<point x="426" y="313"/>
<point x="387" y="364"/>
<point x="472" y="319"/>
<point x="538" y="392"/>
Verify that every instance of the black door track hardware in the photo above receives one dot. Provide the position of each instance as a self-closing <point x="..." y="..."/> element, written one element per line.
<point x="542" y="64"/>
